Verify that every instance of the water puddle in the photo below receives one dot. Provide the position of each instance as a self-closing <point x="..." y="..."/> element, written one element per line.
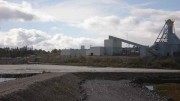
<point x="151" y="88"/>
<point x="6" y="79"/>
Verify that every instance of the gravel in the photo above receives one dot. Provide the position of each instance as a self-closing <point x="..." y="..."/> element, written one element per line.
<point x="121" y="90"/>
<point x="24" y="83"/>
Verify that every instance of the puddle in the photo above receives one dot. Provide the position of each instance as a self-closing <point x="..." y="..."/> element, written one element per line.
<point x="151" y="88"/>
<point x="6" y="79"/>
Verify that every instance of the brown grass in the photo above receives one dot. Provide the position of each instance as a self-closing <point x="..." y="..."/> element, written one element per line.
<point x="115" y="61"/>
<point x="169" y="89"/>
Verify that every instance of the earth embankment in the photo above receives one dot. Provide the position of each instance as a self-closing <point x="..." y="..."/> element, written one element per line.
<point x="45" y="87"/>
<point x="84" y="87"/>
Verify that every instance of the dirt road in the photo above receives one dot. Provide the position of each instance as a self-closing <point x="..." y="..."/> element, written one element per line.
<point x="61" y="68"/>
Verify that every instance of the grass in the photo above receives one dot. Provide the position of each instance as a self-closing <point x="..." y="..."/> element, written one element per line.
<point x="111" y="61"/>
<point x="171" y="90"/>
<point x="116" y="61"/>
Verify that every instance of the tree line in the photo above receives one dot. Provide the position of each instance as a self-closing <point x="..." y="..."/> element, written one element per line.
<point x="25" y="52"/>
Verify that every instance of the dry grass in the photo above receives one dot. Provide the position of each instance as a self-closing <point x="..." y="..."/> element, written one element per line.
<point x="108" y="61"/>
<point x="115" y="61"/>
<point x="169" y="89"/>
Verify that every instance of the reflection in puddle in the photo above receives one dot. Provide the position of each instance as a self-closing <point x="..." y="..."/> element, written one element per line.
<point x="6" y="79"/>
<point x="151" y="88"/>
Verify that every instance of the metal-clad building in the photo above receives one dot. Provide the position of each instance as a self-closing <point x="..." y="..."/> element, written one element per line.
<point x="112" y="47"/>
<point x="167" y="43"/>
<point x="74" y="52"/>
<point x="95" y="51"/>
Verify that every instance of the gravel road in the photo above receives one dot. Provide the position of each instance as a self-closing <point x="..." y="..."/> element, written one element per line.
<point x="60" y="68"/>
<point x="122" y="90"/>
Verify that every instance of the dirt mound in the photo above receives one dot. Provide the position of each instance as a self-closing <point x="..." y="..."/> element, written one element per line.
<point x="63" y="88"/>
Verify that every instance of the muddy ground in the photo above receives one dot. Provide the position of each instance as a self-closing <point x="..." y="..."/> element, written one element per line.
<point x="86" y="87"/>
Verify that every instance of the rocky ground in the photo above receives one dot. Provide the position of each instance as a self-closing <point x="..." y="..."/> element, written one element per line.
<point x="121" y="90"/>
<point x="46" y="87"/>
<point x="81" y="87"/>
<point x="24" y="83"/>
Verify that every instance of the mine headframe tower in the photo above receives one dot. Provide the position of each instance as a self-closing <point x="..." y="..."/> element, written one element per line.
<point x="167" y="43"/>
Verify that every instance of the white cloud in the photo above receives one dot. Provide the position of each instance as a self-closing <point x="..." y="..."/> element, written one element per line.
<point x="75" y="11"/>
<point x="101" y="17"/>
<point x="141" y="25"/>
<point x="156" y="14"/>
<point x="40" y="40"/>
<point x="137" y="30"/>
<point x="55" y="28"/>
<point x="97" y="24"/>
<point x="21" y="12"/>
<point x="70" y="11"/>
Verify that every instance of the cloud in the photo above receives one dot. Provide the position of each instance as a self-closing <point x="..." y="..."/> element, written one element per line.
<point x="40" y="40"/>
<point x="55" y="28"/>
<point x="97" y="24"/>
<point x="140" y="25"/>
<point x="101" y="17"/>
<point x="21" y="12"/>
<point x="156" y="14"/>
<point x="70" y="11"/>
<point x="114" y="17"/>
<point x="137" y="30"/>
<point x="75" y="11"/>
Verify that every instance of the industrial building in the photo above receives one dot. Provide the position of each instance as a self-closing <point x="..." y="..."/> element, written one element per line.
<point x="113" y="47"/>
<point x="95" y="51"/>
<point x="74" y="52"/>
<point x="166" y="44"/>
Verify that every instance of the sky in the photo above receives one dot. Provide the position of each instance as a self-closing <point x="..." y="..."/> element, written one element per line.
<point x="60" y="24"/>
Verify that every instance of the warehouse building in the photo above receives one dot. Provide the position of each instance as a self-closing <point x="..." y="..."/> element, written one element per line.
<point x="95" y="51"/>
<point x="74" y="52"/>
<point x="111" y="47"/>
